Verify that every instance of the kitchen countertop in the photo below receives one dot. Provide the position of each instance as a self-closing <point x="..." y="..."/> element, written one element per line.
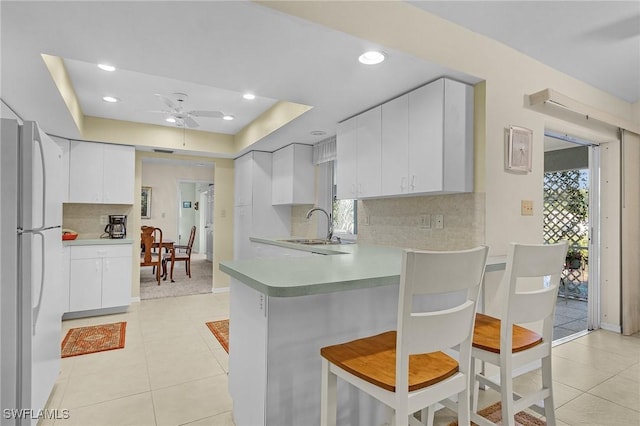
<point x="343" y="267"/>
<point x="96" y="241"/>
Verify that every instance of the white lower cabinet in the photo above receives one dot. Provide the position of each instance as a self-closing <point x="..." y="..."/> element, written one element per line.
<point x="100" y="276"/>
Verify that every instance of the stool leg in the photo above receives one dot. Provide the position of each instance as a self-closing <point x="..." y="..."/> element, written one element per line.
<point x="328" y="407"/>
<point x="506" y="390"/>
<point x="547" y="383"/>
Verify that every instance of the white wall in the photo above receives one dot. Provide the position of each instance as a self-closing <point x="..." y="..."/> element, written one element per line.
<point x="164" y="179"/>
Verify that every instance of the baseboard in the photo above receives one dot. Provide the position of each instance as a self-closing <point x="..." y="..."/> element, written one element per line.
<point x="220" y="290"/>
<point x="611" y="327"/>
<point x="135" y="299"/>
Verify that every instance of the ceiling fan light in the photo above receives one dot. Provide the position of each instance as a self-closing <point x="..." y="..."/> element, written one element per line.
<point x="110" y="99"/>
<point x="170" y="120"/>
<point x="371" y="57"/>
<point x="228" y="117"/>
<point x="106" y="67"/>
<point x="249" y="96"/>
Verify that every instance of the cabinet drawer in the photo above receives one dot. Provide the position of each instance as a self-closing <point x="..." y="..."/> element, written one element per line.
<point x="99" y="251"/>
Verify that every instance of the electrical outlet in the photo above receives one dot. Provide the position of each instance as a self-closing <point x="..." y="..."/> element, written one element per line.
<point x="439" y="221"/>
<point x="526" y="208"/>
<point x="425" y="221"/>
<point x="104" y="219"/>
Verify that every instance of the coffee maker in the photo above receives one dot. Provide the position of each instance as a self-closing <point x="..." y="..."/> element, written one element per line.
<point x="117" y="227"/>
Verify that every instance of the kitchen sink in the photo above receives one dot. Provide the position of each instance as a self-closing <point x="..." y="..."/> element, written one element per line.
<point x="315" y="241"/>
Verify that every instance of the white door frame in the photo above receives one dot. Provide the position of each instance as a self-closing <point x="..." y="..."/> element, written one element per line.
<point x="593" y="295"/>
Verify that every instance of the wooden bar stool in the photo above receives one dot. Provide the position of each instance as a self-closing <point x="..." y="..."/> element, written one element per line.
<point x="408" y="369"/>
<point x="510" y="346"/>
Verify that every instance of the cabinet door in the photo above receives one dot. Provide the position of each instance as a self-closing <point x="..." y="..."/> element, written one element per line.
<point x="85" y="172"/>
<point x="346" y="154"/>
<point x="369" y="153"/>
<point x="242" y="229"/>
<point x="85" y="284"/>
<point x="242" y="177"/>
<point x="118" y="174"/>
<point x="426" y="153"/>
<point x="64" y="144"/>
<point x="293" y="175"/>
<point x="458" y="137"/>
<point x="304" y="191"/>
<point x="282" y="177"/>
<point x="116" y="281"/>
<point x="395" y="146"/>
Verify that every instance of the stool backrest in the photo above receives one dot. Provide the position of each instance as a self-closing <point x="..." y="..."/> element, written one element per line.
<point x="456" y="275"/>
<point x="528" y="261"/>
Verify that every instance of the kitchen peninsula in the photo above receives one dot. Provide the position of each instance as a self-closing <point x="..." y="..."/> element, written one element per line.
<point x="284" y="309"/>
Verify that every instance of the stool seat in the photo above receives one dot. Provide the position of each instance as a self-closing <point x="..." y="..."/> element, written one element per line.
<point x="486" y="335"/>
<point x="373" y="359"/>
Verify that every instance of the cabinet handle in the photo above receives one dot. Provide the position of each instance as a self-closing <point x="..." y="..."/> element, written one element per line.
<point x="359" y="192"/>
<point x="353" y="189"/>
<point x="402" y="184"/>
<point x="413" y="182"/>
<point x="106" y="264"/>
<point x="97" y="266"/>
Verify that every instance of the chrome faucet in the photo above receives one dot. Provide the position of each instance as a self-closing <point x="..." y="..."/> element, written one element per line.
<point x="329" y="221"/>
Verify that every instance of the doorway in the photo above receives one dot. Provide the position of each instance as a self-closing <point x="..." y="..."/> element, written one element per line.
<point x="194" y="209"/>
<point x="571" y="213"/>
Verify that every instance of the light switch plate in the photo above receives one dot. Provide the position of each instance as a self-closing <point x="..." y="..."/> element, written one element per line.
<point x="526" y="208"/>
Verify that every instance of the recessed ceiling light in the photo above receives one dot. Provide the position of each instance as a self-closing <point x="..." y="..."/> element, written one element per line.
<point x="249" y="96"/>
<point x="170" y="120"/>
<point x="110" y="99"/>
<point x="106" y="67"/>
<point x="228" y="117"/>
<point x="318" y="132"/>
<point x="371" y="57"/>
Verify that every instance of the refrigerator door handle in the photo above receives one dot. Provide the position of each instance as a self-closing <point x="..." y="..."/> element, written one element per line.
<point x="38" y="139"/>
<point x="36" y="307"/>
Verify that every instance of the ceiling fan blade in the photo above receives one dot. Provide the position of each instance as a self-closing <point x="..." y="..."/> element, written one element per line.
<point x="213" y="114"/>
<point x="190" y="122"/>
<point x="168" y="102"/>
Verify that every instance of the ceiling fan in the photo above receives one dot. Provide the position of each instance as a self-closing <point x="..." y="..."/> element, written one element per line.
<point x="182" y="117"/>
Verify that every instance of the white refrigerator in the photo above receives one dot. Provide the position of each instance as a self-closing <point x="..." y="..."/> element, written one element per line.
<point x="31" y="266"/>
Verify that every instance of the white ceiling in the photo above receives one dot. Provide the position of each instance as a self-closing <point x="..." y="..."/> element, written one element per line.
<point x="215" y="51"/>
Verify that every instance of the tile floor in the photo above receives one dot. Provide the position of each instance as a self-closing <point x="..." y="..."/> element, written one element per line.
<point x="174" y="372"/>
<point x="570" y="318"/>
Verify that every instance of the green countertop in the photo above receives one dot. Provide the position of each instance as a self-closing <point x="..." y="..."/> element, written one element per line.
<point x="343" y="267"/>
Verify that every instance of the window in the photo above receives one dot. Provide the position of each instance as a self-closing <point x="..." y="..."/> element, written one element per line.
<point x="344" y="213"/>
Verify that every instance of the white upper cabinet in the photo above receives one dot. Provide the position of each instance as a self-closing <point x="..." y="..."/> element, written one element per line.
<point x="293" y="175"/>
<point x="119" y="174"/>
<point x="369" y="158"/>
<point x="64" y="144"/>
<point x="395" y="146"/>
<point x="101" y="173"/>
<point x="346" y="154"/>
<point x="359" y="155"/>
<point x="425" y="145"/>
<point x="242" y="177"/>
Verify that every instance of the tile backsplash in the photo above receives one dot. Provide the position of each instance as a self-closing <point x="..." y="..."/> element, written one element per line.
<point x="397" y="221"/>
<point x="85" y="218"/>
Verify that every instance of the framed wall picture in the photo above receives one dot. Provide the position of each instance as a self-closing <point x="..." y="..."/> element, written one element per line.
<point x="145" y="202"/>
<point x="518" y="150"/>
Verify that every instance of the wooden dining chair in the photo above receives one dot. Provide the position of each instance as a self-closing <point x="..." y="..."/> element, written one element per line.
<point x="149" y="257"/>
<point x="504" y="343"/>
<point x="408" y="369"/>
<point x="181" y="253"/>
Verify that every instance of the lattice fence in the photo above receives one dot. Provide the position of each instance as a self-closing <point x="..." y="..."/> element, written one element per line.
<point x="566" y="208"/>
